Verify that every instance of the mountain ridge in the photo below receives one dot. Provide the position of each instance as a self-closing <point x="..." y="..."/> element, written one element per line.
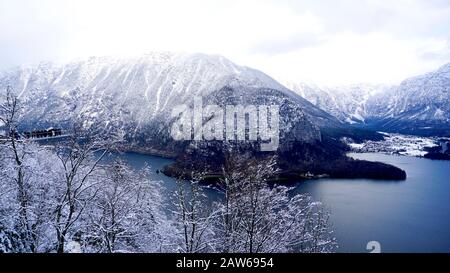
<point x="418" y="105"/>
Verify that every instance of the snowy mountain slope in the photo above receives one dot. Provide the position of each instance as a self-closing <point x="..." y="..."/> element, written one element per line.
<point x="137" y="95"/>
<point x="427" y="95"/>
<point x="347" y="103"/>
<point x="150" y="83"/>
<point x="142" y="88"/>
<point x="419" y="105"/>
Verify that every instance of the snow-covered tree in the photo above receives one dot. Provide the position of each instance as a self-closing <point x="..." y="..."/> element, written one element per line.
<point x="258" y="218"/>
<point x="10" y="112"/>
<point x="126" y="214"/>
<point x="39" y="177"/>
<point x="25" y="180"/>
<point x="193" y="218"/>
<point x="80" y="157"/>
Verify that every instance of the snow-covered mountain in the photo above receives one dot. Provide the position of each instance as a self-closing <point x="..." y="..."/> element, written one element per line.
<point x="347" y="103"/>
<point x="138" y="94"/>
<point x="143" y="87"/>
<point x="419" y="105"/>
<point x="136" y="97"/>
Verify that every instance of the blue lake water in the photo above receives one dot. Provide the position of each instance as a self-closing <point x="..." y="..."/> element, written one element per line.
<point x="406" y="216"/>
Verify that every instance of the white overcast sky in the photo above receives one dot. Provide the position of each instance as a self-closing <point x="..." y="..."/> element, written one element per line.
<point x="328" y="42"/>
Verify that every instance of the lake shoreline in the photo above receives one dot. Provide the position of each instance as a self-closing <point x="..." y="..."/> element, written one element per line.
<point x="346" y="168"/>
<point x="363" y="210"/>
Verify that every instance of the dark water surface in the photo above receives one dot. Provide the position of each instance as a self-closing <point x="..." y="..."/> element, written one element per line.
<point x="406" y="216"/>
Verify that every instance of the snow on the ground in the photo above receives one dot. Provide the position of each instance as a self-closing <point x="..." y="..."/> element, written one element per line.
<point x="397" y="144"/>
